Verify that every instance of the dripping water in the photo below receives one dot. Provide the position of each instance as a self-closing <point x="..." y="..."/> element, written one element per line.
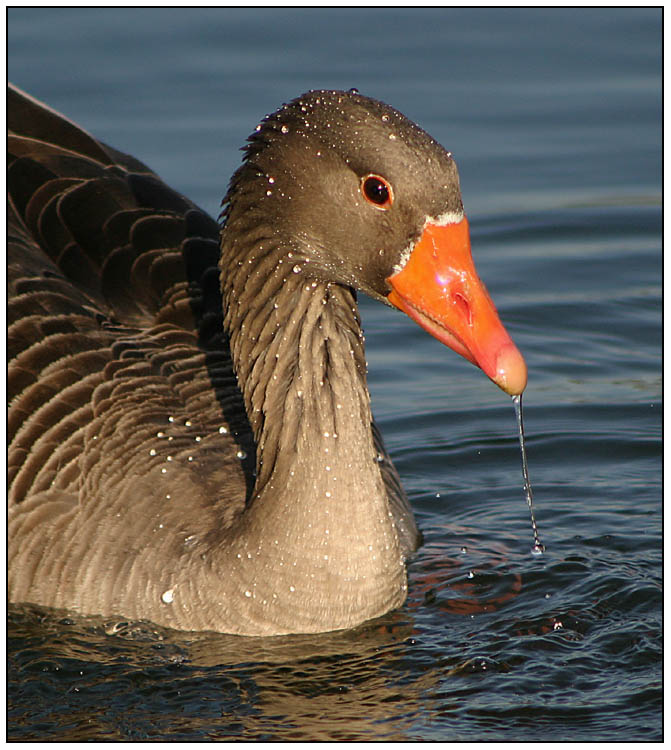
<point x="538" y="547"/>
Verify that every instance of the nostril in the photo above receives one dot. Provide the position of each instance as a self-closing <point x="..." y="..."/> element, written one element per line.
<point x="462" y="304"/>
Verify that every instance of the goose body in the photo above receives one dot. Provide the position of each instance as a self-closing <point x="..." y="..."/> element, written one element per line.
<point x="190" y="432"/>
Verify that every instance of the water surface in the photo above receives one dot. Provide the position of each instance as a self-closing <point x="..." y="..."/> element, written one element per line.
<point x="554" y="118"/>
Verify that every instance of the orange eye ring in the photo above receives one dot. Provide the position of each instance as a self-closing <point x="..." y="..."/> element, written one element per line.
<point x="377" y="191"/>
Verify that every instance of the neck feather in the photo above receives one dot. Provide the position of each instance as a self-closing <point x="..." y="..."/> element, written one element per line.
<point x="298" y="351"/>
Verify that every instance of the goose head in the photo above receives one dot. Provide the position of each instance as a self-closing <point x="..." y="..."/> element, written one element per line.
<point x="355" y="193"/>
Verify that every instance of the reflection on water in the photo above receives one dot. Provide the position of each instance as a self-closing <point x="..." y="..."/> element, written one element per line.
<point x="327" y="687"/>
<point x="489" y="639"/>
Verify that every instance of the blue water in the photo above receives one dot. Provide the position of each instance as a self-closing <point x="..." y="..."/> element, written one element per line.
<point x="554" y="117"/>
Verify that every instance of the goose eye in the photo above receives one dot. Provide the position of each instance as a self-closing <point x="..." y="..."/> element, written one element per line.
<point x="377" y="191"/>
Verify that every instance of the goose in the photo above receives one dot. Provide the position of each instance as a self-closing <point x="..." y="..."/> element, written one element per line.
<point x="190" y="432"/>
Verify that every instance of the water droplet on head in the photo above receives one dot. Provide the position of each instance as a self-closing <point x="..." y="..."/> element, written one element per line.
<point x="284" y="129"/>
<point x="168" y="596"/>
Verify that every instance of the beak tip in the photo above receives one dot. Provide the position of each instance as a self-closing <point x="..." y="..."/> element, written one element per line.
<point x="511" y="370"/>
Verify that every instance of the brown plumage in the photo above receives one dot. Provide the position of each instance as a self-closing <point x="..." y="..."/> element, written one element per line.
<point x="190" y="432"/>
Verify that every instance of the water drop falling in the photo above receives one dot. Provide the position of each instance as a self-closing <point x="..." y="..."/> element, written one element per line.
<point x="538" y="547"/>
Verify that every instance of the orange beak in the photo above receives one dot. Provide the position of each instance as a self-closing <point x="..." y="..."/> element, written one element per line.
<point x="439" y="289"/>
